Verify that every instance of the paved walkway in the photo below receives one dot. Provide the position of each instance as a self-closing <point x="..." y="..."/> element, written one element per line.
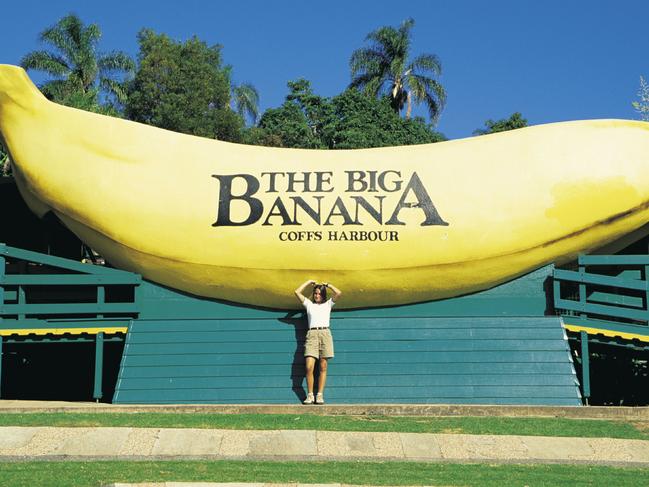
<point x="58" y="443"/>
<point x="20" y="443"/>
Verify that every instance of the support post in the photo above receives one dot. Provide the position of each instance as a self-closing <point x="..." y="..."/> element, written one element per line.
<point x="2" y="286"/>
<point x="99" y="366"/>
<point x="101" y="298"/>
<point x="585" y="366"/>
<point x="582" y="292"/>
<point x="22" y="300"/>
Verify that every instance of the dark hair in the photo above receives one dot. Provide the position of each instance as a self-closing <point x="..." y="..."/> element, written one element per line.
<point x="323" y="291"/>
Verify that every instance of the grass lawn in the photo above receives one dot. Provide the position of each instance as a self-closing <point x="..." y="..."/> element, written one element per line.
<point x="468" y="425"/>
<point x="64" y="474"/>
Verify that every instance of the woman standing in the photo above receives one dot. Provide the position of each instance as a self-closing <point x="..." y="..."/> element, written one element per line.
<point x="319" y="343"/>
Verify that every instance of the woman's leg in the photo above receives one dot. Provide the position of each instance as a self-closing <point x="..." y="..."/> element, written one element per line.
<point x="322" y="380"/>
<point x="310" y="365"/>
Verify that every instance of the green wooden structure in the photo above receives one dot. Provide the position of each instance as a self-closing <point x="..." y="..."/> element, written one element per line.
<point x="46" y="299"/>
<point x="604" y="301"/>
<point x="491" y="347"/>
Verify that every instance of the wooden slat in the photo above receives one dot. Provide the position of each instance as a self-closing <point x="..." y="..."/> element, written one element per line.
<point x="68" y="308"/>
<point x="600" y="279"/>
<point x="444" y="357"/>
<point x="383" y="369"/>
<point x="338" y="380"/>
<point x="614" y="259"/>
<point x="466" y="345"/>
<point x="69" y="279"/>
<point x="600" y="309"/>
<point x="145" y="326"/>
<point x="54" y="261"/>
<point x="616" y="299"/>
<point x="344" y="334"/>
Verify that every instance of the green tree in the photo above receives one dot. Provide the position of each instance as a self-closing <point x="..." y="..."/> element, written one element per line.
<point x="350" y="120"/>
<point x="516" y="121"/>
<point x="80" y="72"/>
<point x="358" y="121"/>
<point x="642" y="105"/>
<point x="246" y="101"/>
<point x="383" y="68"/>
<point x="182" y="87"/>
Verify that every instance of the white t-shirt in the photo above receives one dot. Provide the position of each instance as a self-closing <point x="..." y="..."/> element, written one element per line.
<point x="318" y="314"/>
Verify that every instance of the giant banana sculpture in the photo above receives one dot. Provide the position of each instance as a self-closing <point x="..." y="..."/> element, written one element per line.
<point x="387" y="226"/>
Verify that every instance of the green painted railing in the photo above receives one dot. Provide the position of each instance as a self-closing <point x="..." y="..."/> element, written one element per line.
<point x="608" y="294"/>
<point x="38" y="291"/>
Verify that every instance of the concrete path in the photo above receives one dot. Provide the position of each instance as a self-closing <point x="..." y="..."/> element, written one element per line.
<point x="21" y="443"/>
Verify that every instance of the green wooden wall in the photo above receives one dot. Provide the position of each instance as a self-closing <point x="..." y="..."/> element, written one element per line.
<point x="494" y="347"/>
<point x="488" y="360"/>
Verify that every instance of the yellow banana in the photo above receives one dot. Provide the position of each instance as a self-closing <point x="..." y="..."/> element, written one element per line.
<point x="387" y="226"/>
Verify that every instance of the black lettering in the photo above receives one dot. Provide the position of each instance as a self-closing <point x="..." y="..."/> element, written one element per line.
<point x="377" y="215"/>
<point x="292" y="181"/>
<point x="424" y="203"/>
<point x="278" y="209"/>
<point x="271" y="182"/>
<point x="372" y="181"/>
<point x="396" y="184"/>
<point x="299" y="201"/>
<point x="321" y="181"/>
<point x="225" y="198"/>
<point x="354" y="177"/>
<point x="342" y="212"/>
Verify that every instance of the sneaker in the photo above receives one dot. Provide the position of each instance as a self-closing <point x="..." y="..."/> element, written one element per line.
<point x="319" y="399"/>
<point x="309" y="398"/>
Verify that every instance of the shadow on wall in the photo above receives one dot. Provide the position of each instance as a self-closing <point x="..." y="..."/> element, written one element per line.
<point x="297" y="319"/>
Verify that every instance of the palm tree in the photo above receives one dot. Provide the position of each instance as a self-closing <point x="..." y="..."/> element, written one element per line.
<point x="246" y="101"/>
<point x="80" y="71"/>
<point x="383" y="68"/>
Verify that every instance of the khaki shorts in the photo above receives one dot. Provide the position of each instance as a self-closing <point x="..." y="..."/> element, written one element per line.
<point x="319" y="344"/>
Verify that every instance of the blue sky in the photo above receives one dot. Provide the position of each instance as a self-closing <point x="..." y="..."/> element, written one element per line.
<point x="552" y="60"/>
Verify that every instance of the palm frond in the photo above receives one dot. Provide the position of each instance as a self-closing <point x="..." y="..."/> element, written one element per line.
<point x="369" y="59"/>
<point x="430" y="92"/>
<point x="246" y="100"/>
<point x="116" y="61"/>
<point x="46" y="61"/>
<point x="114" y="87"/>
<point x="426" y="63"/>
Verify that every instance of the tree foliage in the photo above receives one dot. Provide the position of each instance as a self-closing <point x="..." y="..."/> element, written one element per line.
<point x="80" y="73"/>
<point x="5" y="166"/>
<point x="642" y="105"/>
<point x="350" y="120"/>
<point x="516" y="121"/>
<point x="182" y="87"/>
<point x="245" y="98"/>
<point x="384" y="69"/>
